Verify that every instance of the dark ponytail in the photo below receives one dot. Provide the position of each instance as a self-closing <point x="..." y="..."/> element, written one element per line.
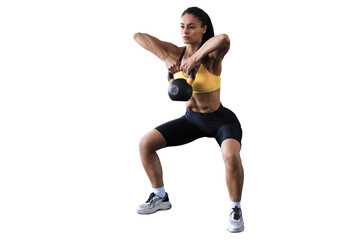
<point x="204" y="19"/>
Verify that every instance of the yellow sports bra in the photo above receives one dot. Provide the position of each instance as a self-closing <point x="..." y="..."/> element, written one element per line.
<point x="204" y="80"/>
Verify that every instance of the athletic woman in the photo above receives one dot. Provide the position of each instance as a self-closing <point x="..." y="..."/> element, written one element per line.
<point x="205" y="116"/>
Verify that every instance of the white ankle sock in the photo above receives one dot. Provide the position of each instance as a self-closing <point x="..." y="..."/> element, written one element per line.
<point x="234" y="204"/>
<point x="160" y="191"/>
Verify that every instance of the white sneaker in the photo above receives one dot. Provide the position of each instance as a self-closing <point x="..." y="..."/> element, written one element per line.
<point x="154" y="204"/>
<point x="236" y="222"/>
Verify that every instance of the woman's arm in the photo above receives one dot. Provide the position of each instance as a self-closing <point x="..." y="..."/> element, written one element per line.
<point x="167" y="52"/>
<point x="215" y="48"/>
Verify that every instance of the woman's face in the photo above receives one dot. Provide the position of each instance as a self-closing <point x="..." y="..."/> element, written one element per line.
<point x="191" y="30"/>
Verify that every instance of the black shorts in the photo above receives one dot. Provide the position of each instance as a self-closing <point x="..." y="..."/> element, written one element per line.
<point x="221" y="124"/>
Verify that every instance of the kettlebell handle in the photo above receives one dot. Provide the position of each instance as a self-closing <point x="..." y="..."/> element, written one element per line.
<point x="190" y="79"/>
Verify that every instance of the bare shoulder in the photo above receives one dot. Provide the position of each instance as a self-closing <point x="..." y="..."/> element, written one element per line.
<point x="214" y="60"/>
<point x="219" y="54"/>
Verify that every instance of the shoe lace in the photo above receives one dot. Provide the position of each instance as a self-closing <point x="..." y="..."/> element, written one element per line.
<point x="237" y="212"/>
<point x="152" y="195"/>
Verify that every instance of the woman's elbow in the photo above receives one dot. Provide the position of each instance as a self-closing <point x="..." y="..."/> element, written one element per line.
<point x="225" y="39"/>
<point x="137" y="36"/>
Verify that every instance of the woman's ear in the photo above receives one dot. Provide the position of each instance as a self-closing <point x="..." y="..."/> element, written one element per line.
<point x="204" y="29"/>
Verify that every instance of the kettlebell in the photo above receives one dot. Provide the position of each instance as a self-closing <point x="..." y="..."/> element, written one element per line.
<point x="180" y="89"/>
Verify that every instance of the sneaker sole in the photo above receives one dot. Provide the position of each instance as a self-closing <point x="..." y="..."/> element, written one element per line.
<point x="235" y="230"/>
<point x="161" y="207"/>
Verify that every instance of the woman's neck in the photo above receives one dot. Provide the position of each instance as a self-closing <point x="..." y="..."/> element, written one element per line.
<point x="191" y="49"/>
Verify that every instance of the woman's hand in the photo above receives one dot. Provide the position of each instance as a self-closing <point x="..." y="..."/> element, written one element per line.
<point x="172" y="64"/>
<point x="187" y="65"/>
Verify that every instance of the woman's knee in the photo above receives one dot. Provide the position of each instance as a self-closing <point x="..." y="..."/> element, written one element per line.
<point x="232" y="160"/>
<point x="143" y="145"/>
<point x="231" y="155"/>
<point x="151" y="142"/>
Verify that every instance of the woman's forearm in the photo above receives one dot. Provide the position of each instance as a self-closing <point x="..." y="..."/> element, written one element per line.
<point x="220" y="43"/>
<point x="151" y="44"/>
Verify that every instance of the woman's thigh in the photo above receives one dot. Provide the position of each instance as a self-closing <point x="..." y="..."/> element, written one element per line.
<point x="179" y="131"/>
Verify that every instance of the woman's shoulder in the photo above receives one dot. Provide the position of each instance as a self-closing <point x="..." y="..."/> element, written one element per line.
<point x="212" y="65"/>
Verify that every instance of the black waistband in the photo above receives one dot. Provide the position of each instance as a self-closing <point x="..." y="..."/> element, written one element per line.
<point x="216" y="112"/>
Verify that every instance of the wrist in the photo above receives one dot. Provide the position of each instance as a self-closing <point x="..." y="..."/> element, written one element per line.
<point x="196" y="58"/>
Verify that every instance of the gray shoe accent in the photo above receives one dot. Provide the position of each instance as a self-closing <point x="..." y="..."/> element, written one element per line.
<point x="154" y="204"/>
<point x="236" y="222"/>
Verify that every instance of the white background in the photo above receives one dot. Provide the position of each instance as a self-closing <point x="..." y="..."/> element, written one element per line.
<point x="77" y="94"/>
